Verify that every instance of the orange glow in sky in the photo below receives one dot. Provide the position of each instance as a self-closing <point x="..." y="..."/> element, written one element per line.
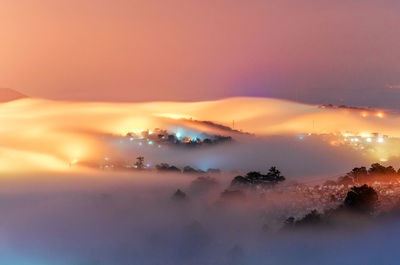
<point x="136" y="50"/>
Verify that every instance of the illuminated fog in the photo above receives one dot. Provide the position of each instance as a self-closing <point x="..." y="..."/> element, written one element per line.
<point x="41" y="135"/>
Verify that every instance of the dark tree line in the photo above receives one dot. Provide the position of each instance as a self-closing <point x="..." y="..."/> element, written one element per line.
<point x="254" y="178"/>
<point x="165" y="167"/>
<point x="362" y="175"/>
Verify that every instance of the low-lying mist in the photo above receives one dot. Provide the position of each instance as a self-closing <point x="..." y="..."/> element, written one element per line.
<point x="132" y="218"/>
<point x="296" y="158"/>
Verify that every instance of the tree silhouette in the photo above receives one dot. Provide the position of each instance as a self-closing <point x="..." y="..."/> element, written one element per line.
<point x="139" y="162"/>
<point x="274" y="175"/>
<point x="255" y="178"/>
<point x="361" y="199"/>
<point x="167" y="167"/>
<point x="358" y="174"/>
<point x="376" y="172"/>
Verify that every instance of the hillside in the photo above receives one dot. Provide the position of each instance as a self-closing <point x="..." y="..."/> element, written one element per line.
<point x="7" y="94"/>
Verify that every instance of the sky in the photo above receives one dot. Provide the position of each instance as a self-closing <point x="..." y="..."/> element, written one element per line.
<point x="313" y="51"/>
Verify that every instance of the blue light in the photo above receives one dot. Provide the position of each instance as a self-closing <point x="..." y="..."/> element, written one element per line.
<point x="148" y="165"/>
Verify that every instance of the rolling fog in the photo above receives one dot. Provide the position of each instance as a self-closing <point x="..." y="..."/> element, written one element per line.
<point x="56" y="210"/>
<point x="47" y="136"/>
<point x="297" y="159"/>
<point x="112" y="218"/>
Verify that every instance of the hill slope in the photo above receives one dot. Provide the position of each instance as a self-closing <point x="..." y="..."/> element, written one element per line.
<point x="7" y="94"/>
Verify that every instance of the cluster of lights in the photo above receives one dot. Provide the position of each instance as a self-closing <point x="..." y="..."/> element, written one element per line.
<point x="354" y="139"/>
<point x="144" y="138"/>
<point x="378" y="114"/>
<point x="368" y="139"/>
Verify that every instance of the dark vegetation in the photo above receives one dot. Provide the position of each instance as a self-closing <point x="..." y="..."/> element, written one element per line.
<point x="165" y="167"/>
<point x="255" y="179"/>
<point x="179" y="196"/>
<point x="139" y="162"/>
<point x="203" y="184"/>
<point x="360" y="201"/>
<point x="362" y="175"/>
<point x="191" y="170"/>
<point x="330" y="106"/>
<point x="200" y="186"/>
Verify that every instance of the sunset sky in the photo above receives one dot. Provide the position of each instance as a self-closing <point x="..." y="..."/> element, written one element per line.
<point x="314" y="51"/>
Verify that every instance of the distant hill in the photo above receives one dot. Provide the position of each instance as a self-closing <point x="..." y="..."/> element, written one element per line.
<point x="7" y="94"/>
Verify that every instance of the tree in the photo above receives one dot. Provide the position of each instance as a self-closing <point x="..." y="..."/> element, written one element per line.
<point x="358" y="174"/>
<point x="312" y="218"/>
<point x="345" y="180"/>
<point x="167" y="167"/>
<point x="190" y="170"/>
<point x="361" y="199"/>
<point x="378" y="169"/>
<point x="274" y="175"/>
<point x="255" y="178"/>
<point x="139" y="162"/>
<point x="179" y="195"/>
<point x="241" y="181"/>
